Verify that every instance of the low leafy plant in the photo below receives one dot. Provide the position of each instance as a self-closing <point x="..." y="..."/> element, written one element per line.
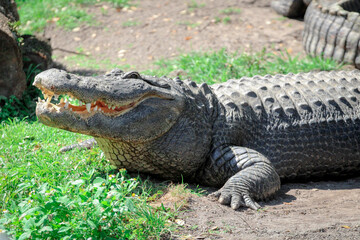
<point x="193" y="4"/>
<point x="98" y="208"/>
<point x="48" y="195"/>
<point x="226" y="20"/>
<point x="130" y="23"/>
<point x="119" y="3"/>
<point x="230" y="10"/>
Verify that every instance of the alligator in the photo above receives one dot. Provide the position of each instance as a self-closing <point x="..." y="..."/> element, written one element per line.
<point x="241" y="136"/>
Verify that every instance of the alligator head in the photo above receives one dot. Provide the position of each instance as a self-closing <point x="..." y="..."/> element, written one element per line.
<point x="137" y="120"/>
<point x="118" y="105"/>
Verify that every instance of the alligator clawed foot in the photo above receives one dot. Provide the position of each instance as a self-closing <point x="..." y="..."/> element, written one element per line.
<point x="234" y="199"/>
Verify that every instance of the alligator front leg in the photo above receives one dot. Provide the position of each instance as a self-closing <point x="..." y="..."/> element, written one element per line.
<point x="253" y="177"/>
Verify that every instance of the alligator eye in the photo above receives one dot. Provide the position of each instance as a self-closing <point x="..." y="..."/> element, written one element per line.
<point x="132" y="74"/>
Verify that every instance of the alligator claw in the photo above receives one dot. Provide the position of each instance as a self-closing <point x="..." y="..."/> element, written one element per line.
<point x="234" y="199"/>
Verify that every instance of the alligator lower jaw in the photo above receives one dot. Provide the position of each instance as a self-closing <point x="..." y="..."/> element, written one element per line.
<point x="88" y="109"/>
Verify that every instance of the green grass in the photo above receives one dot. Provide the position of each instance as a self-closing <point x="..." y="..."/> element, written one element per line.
<point x="90" y="62"/>
<point x="35" y="14"/>
<point x="189" y="24"/>
<point x="226" y="20"/>
<point x="193" y="4"/>
<point x="77" y="195"/>
<point x="219" y="66"/>
<point x="230" y="10"/>
<point x="130" y="23"/>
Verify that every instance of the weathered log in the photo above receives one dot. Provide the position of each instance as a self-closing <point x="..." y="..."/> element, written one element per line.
<point x="12" y="76"/>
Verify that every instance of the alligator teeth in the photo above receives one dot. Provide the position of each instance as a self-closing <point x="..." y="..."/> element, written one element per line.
<point x="95" y="108"/>
<point x="49" y="99"/>
<point x="71" y="110"/>
<point x="109" y="106"/>
<point x="113" y="107"/>
<point x="80" y="103"/>
<point x="56" y="97"/>
<point x="66" y="104"/>
<point x="39" y="99"/>
<point x="88" y="107"/>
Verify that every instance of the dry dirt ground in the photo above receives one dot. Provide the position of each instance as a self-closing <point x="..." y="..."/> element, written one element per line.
<point x="155" y="29"/>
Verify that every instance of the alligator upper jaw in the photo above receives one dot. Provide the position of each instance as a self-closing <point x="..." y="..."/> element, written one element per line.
<point x="110" y="96"/>
<point x="85" y="109"/>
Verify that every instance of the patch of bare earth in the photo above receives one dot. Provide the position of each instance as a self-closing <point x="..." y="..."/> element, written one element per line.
<point x="154" y="30"/>
<point x="167" y="28"/>
<point x="321" y="210"/>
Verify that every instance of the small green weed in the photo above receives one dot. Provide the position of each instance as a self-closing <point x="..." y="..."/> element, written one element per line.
<point x="281" y="19"/>
<point x="90" y="62"/>
<point x="130" y="23"/>
<point x="189" y="24"/>
<point x="198" y="191"/>
<point x="217" y="19"/>
<point x="193" y="4"/>
<point x="194" y="227"/>
<point x="119" y="3"/>
<point x="226" y="20"/>
<point x="230" y="10"/>
<point x="104" y="11"/>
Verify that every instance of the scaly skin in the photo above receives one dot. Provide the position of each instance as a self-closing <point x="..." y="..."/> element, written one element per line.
<point x="242" y="135"/>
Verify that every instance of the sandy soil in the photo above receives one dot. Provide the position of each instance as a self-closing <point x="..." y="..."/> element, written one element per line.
<point x="167" y="28"/>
